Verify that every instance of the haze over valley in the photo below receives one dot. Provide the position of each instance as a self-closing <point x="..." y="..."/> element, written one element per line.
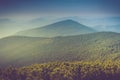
<point x="65" y="40"/>
<point x="59" y="39"/>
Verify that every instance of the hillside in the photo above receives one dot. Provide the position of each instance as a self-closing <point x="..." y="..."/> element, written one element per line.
<point x="20" y="50"/>
<point x="61" y="28"/>
<point x="82" y="70"/>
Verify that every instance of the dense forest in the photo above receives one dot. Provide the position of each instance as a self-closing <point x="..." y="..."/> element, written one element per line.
<point x="79" y="70"/>
<point x="29" y="50"/>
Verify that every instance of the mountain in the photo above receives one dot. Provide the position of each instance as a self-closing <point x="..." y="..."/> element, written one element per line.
<point x="20" y="50"/>
<point x="113" y="28"/>
<point x="62" y="28"/>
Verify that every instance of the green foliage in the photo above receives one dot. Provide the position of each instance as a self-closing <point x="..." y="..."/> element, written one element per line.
<point x="95" y="70"/>
<point x="19" y="50"/>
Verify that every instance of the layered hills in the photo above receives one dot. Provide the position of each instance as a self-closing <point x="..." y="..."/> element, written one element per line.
<point x="21" y="50"/>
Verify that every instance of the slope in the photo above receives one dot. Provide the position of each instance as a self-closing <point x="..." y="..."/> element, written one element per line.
<point x="62" y="28"/>
<point x="20" y="50"/>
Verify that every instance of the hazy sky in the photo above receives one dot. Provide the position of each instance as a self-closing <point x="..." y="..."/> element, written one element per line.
<point x="17" y="15"/>
<point x="32" y="8"/>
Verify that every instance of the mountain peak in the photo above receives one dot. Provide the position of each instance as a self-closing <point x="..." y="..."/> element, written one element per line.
<point x="61" y="28"/>
<point x="67" y="21"/>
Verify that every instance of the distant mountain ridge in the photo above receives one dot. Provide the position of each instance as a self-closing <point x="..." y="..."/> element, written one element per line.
<point x="61" y="28"/>
<point x="112" y="28"/>
<point x="20" y="50"/>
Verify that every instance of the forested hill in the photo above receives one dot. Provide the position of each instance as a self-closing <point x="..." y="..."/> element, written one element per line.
<point x="20" y="50"/>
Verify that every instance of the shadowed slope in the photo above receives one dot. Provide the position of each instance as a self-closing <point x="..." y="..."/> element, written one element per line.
<point x="62" y="28"/>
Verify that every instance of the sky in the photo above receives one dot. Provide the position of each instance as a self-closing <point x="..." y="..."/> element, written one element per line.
<point x="16" y="15"/>
<point x="32" y="8"/>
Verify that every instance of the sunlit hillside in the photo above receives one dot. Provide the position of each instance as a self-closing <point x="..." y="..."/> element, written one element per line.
<point x="81" y="70"/>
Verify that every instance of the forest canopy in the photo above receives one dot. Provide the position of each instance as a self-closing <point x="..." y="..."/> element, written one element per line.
<point x="81" y="70"/>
